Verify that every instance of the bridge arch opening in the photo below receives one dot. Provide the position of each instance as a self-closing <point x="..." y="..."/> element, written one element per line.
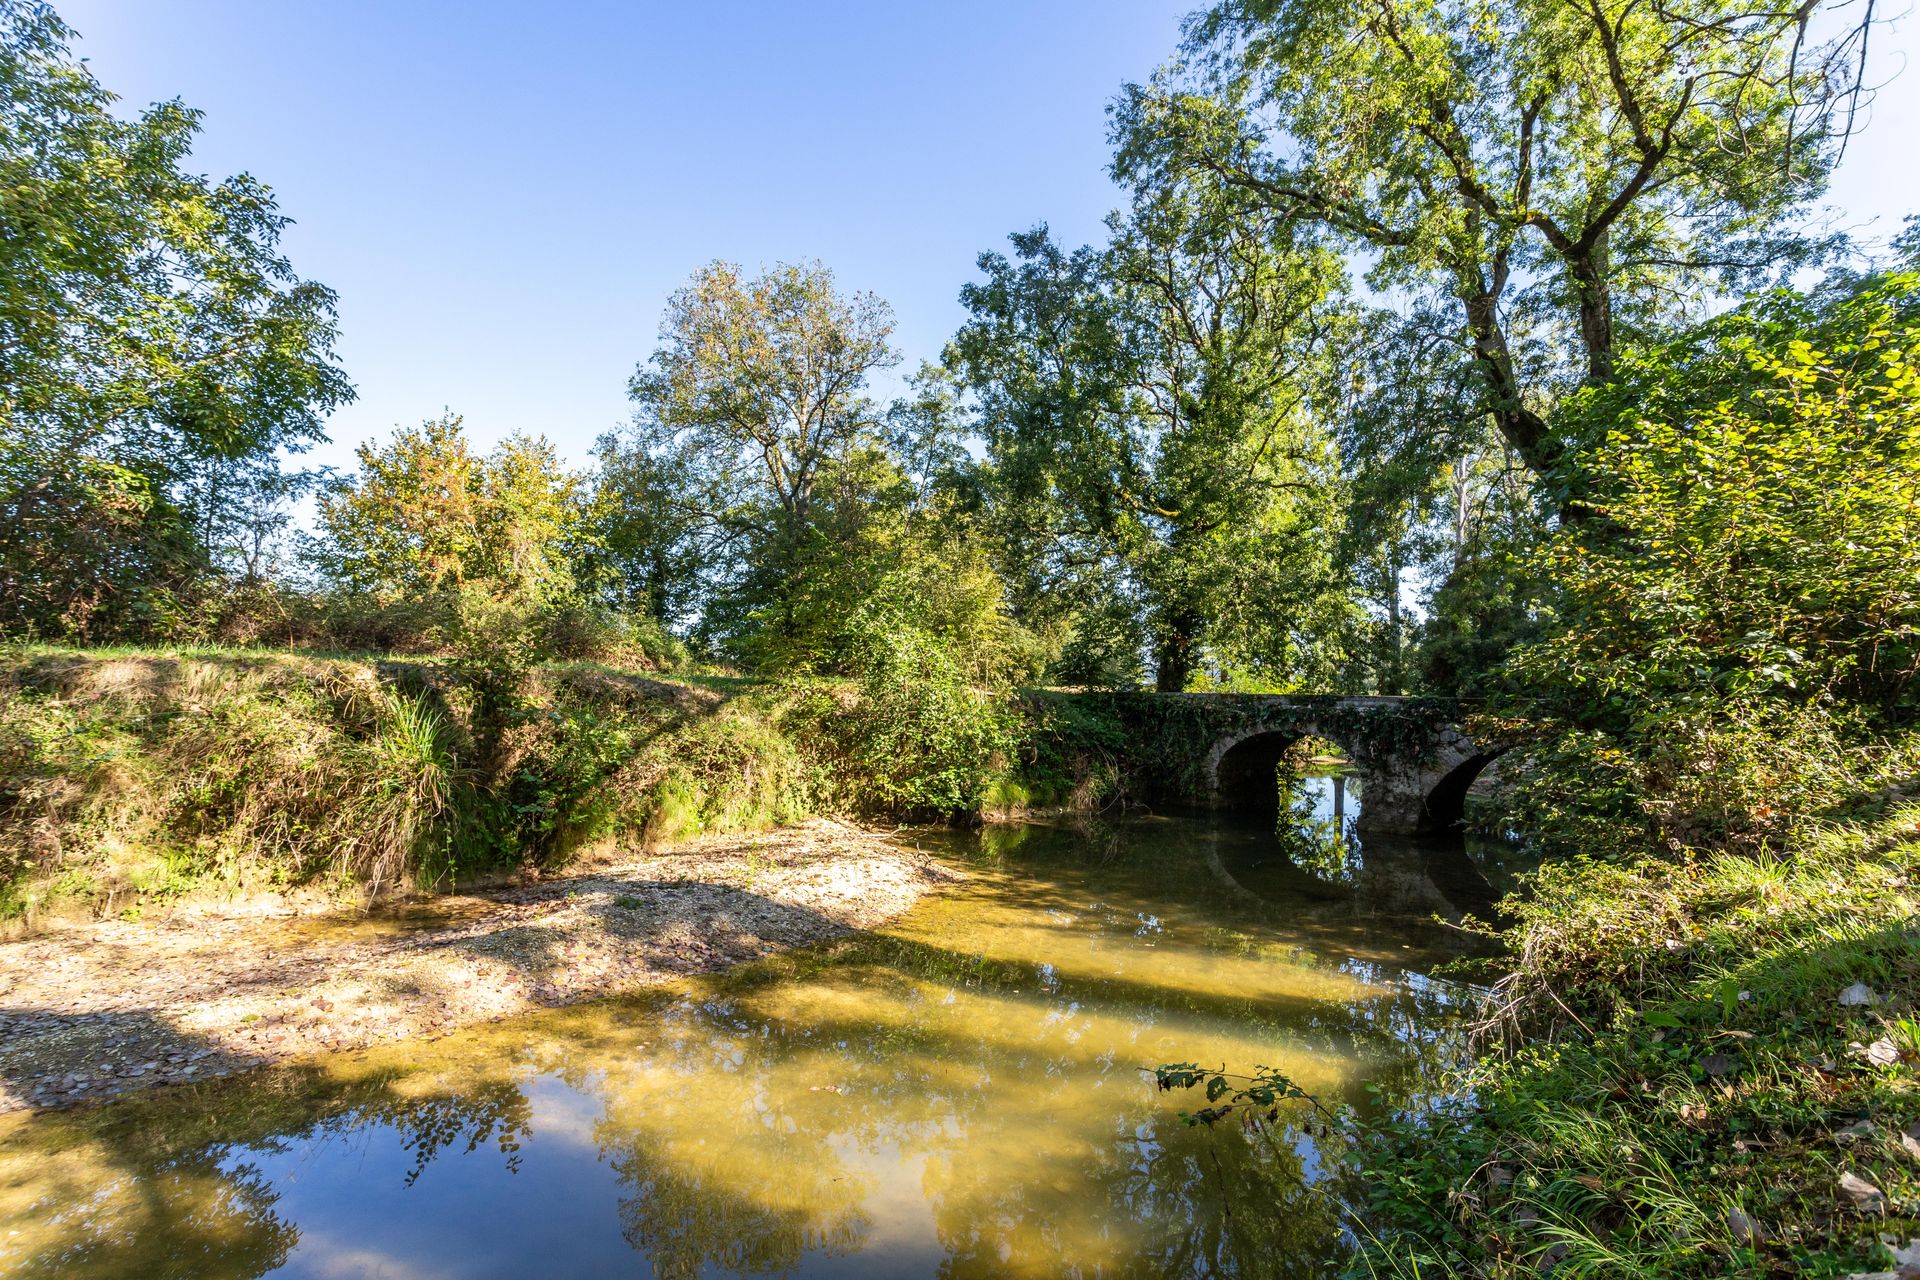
<point x="1446" y="803"/>
<point x="1246" y="771"/>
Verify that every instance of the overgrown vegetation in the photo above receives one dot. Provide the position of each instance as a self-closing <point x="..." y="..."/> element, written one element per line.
<point x="1702" y="1055"/>
<point x="1712" y="993"/>
<point x="132" y="778"/>
<point x="1711" y="1069"/>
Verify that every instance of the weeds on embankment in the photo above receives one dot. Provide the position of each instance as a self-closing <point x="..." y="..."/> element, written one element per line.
<point x="1714" y="1069"/>
<point x="134" y="776"/>
<point x="139" y="777"/>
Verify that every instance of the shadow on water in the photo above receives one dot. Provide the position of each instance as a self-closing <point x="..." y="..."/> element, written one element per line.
<point x="960" y="1095"/>
<point x="54" y="1057"/>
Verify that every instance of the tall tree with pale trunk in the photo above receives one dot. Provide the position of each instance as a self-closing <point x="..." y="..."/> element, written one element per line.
<point x="1559" y="171"/>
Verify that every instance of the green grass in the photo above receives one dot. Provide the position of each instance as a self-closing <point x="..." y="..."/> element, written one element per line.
<point x="1684" y="1088"/>
<point x="717" y="683"/>
<point x="14" y="650"/>
<point x="132" y="775"/>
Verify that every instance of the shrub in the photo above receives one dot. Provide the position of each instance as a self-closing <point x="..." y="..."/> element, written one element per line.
<point x="579" y="631"/>
<point x="923" y="741"/>
<point x="1737" y="626"/>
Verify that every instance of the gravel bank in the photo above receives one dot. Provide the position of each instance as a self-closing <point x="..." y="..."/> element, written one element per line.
<point x="95" y="1010"/>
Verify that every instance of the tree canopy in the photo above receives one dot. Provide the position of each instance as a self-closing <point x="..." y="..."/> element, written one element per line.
<point x="1145" y="415"/>
<point x="1315" y="412"/>
<point x="1554" y="175"/>
<point x="156" y="348"/>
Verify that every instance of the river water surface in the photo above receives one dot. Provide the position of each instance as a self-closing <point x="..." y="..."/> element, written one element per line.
<point x="964" y="1094"/>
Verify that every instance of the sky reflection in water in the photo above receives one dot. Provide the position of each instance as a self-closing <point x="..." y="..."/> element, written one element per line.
<point x="960" y="1096"/>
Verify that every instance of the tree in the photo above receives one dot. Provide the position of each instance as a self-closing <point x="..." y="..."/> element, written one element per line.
<point x="1746" y="617"/>
<point x="1439" y="511"/>
<point x="426" y="515"/>
<point x="755" y="403"/>
<point x="1559" y="173"/>
<point x="640" y="554"/>
<point x="1040" y="360"/>
<point x="88" y="549"/>
<point x="1150" y="405"/>
<point x="530" y="517"/>
<point x="152" y="337"/>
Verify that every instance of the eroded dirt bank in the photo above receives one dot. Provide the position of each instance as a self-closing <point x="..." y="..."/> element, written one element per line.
<point x="98" y="1009"/>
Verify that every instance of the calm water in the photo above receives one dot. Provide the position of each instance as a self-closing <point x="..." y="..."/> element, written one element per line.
<point x="960" y="1096"/>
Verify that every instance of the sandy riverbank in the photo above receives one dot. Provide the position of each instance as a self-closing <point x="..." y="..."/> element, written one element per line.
<point x="95" y="1010"/>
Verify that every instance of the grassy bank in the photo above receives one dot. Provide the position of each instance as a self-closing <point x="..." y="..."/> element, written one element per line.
<point x="129" y="778"/>
<point x="1709" y="1069"/>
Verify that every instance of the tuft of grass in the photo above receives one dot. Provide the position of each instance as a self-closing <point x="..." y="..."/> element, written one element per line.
<point x="412" y="785"/>
<point x="1007" y="797"/>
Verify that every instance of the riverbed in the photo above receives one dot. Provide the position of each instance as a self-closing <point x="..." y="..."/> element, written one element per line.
<point x="965" y="1090"/>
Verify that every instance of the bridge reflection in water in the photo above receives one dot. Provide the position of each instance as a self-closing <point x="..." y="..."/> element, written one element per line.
<point x="1311" y="839"/>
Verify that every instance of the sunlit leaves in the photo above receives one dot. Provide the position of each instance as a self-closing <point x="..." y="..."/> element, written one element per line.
<point x="1562" y="174"/>
<point x="1740" y="622"/>
<point x="148" y="322"/>
<point x="427" y="514"/>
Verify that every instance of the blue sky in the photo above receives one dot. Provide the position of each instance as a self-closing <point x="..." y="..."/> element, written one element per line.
<point x="504" y="194"/>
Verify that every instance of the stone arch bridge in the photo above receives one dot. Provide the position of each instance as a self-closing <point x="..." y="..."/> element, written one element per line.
<point x="1414" y="756"/>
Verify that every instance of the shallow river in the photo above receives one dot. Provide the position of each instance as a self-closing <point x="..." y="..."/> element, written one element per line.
<point x="961" y="1095"/>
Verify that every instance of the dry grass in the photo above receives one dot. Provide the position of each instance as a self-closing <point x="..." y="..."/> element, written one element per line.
<point x="134" y="780"/>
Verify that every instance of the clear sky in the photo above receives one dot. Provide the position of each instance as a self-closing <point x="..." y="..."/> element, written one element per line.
<point x="504" y="194"/>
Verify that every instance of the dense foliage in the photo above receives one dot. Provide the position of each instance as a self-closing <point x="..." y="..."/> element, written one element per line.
<point x="1709" y="995"/>
<point x="1548" y="178"/>
<point x="1737" y="631"/>
<point x="1145" y="415"/>
<point x="157" y="354"/>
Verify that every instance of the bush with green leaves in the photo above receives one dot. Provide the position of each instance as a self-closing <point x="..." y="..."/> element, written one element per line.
<point x="1736" y="628"/>
<point x="586" y="631"/>
<point x="923" y="741"/>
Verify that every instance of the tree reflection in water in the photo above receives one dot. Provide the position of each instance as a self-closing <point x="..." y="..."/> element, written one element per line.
<point x="961" y="1096"/>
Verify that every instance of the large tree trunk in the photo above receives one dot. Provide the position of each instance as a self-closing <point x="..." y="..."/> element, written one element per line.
<point x="1589" y="271"/>
<point x="1522" y="428"/>
<point x="1173" y="655"/>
